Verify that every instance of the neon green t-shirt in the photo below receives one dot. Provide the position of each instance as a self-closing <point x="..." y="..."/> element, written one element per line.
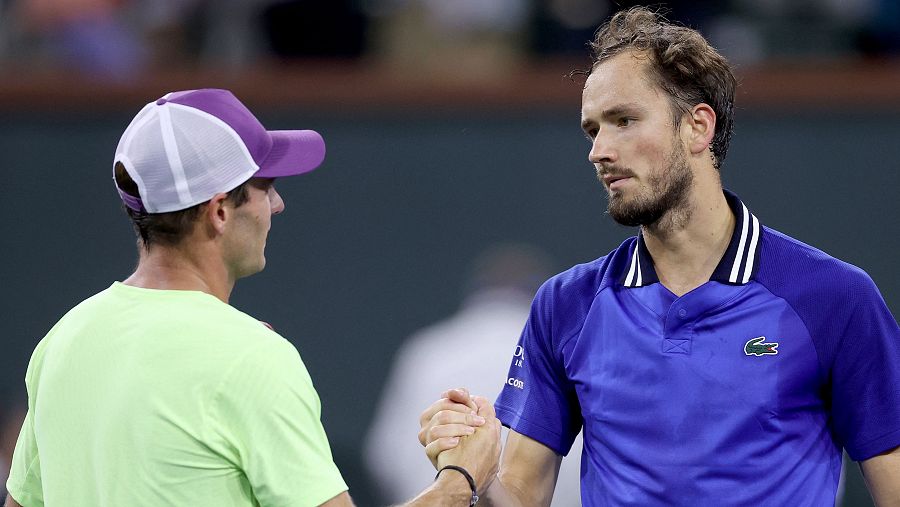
<point x="156" y="397"/>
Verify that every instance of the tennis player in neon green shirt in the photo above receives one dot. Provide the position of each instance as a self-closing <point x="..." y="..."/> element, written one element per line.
<point x="156" y="392"/>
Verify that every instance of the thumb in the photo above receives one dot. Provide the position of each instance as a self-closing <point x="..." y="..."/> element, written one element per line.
<point x="461" y="395"/>
<point x="484" y="407"/>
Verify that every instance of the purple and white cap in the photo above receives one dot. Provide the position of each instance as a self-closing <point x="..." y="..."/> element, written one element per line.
<point x="188" y="146"/>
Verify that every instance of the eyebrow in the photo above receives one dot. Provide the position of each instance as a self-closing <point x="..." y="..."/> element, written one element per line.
<point x="614" y="112"/>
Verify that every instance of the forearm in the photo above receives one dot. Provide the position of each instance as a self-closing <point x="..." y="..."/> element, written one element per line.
<point x="507" y="491"/>
<point x="498" y="495"/>
<point x="449" y="490"/>
<point x="882" y="475"/>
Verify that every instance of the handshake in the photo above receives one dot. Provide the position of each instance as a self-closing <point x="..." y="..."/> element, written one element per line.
<point x="461" y="435"/>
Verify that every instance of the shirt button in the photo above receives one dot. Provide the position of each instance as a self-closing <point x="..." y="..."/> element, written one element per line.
<point x="682" y="313"/>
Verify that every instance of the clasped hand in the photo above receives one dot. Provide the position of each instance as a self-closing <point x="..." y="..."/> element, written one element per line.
<point x="462" y="430"/>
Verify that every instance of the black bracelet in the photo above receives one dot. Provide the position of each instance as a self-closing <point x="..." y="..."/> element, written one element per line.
<point x="468" y="477"/>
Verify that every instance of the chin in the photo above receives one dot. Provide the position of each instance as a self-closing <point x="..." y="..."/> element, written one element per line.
<point x="259" y="266"/>
<point x="250" y="270"/>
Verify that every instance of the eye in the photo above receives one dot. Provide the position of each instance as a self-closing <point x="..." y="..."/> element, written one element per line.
<point x="590" y="134"/>
<point x="624" y="121"/>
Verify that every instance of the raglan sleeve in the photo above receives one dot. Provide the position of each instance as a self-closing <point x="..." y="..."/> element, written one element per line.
<point x="538" y="400"/>
<point x="24" y="483"/>
<point x="865" y="375"/>
<point x="266" y="417"/>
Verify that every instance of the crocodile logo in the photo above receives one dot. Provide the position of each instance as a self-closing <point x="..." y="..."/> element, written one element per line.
<point x="758" y="347"/>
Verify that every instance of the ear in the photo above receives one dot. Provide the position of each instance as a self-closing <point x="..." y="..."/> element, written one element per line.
<point x="217" y="213"/>
<point x="702" y="122"/>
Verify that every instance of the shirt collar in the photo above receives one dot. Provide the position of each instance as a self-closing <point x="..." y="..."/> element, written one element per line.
<point x="738" y="265"/>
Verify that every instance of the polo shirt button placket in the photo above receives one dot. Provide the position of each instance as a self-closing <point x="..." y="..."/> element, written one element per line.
<point x="677" y="335"/>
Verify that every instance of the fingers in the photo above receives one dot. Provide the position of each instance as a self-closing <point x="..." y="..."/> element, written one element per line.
<point x="438" y="446"/>
<point x="478" y="453"/>
<point x="457" y="414"/>
<point x="452" y="417"/>
<point x="484" y="407"/>
<point x="449" y="430"/>
<point x="444" y="404"/>
<point x="460" y="395"/>
<point x="445" y="411"/>
<point x="449" y="423"/>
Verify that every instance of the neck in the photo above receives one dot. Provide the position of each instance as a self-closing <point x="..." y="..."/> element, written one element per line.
<point x="687" y="244"/>
<point x="181" y="268"/>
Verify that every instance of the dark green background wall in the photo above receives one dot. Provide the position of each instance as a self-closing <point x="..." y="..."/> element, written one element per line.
<point x="375" y="243"/>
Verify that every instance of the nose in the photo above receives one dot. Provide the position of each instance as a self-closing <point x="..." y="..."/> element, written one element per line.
<point x="275" y="201"/>
<point x="602" y="150"/>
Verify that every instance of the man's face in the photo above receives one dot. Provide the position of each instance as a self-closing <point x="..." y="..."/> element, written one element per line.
<point x="246" y="239"/>
<point x="635" y="147"/>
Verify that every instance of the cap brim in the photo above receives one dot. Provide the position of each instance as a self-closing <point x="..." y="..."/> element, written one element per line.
<point x="293" y="152"/>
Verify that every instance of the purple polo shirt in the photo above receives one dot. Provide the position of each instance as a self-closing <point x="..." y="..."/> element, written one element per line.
<point x="740" y="392"/>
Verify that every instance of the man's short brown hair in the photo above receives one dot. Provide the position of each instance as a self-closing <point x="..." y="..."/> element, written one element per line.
<point x="681" y="62"/>
<point x="167" y="229"/>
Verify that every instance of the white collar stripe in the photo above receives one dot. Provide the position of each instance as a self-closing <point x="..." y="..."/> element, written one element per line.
<point x="751" y="252"/>
<point x="640" y="280"/>
<point x="739" y="255"/>
<point x="633" y="267"/>
<point x="736" y="267"/>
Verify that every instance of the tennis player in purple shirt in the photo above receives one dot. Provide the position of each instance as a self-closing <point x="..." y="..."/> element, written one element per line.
<point x="709" y="360"/>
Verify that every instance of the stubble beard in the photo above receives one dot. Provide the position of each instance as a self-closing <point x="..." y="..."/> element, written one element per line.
<point x="665" y="200"/>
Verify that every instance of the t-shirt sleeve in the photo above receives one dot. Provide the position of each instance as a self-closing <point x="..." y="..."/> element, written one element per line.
<point x="24" y="482"/>
<point x="865" y="379"/>
<point x="268" y="416"/>
<point x="538" y="400"/>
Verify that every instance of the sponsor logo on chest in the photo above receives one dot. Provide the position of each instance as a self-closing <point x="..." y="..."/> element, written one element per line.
<point x="759" y="347"/>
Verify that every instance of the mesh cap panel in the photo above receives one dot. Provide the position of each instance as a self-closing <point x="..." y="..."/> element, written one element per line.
<point x="186" y="147"/>
<point x="213" y="157"/>
<point x="180" y="156"/>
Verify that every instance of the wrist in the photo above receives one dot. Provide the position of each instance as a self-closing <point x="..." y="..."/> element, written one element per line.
<point x="457" y="484"/>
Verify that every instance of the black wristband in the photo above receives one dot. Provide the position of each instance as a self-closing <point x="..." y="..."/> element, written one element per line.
<point x="469" y="479"/>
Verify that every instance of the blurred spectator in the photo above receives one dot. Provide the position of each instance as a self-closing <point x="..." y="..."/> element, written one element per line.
<point x="880" y="35"/>
<point x="462" y="39"/>
<point x="564" y="26"/>
<point x="315" y="28"/>
<point x="746" y="31"/>
<point x="121" y="39"/>
<point x="89" y="35"/>
<point x="459" y="39"/>
<point x="490" y="320"/>
<point x="822" y="28"/>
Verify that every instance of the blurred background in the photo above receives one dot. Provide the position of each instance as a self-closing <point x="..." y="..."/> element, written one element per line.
<point x="451" y="128"/>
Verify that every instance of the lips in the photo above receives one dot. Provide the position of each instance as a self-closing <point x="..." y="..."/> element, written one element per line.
<point x="613" y="181"/>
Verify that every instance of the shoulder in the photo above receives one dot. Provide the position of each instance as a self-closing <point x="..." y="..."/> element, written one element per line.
<point x="189" y="324"/>
<point x="584" y="281"/>
<point x="835" y="300"/>
<point x="256" y="347"/>
<point x="792" y="269"/>
<point x="563" y="301"/>
<point x="261" y="371"/>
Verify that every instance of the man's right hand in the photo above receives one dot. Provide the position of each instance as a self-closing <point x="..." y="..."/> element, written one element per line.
<point x="453" y="416"/>
<point x="462" y="430"/>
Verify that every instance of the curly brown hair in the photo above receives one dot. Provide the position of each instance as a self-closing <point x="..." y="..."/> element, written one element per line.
<point x="682" y="63"/>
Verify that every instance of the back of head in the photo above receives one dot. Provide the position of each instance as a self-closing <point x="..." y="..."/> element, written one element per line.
<point x="186" y="147"/>
<point x="680" y="61"/>
<point x="167" y="229"/>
